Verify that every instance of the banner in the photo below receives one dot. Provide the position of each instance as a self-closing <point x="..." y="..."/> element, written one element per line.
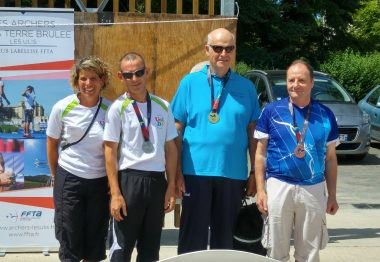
<point x="36" y="55"/>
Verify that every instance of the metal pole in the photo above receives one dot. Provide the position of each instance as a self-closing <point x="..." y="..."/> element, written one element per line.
<point x="227" y="7"/>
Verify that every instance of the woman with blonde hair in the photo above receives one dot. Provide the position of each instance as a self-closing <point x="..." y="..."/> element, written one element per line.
<point x="81" y="199"/>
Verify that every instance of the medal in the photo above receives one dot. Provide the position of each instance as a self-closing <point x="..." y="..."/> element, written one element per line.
<point x="299" y="151"/>
<point x="147" y="147"/>
<point x="213" y="117"/>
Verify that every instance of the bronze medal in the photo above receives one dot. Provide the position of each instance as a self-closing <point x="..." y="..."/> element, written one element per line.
<point x="213" y="117"/>
<point x="299" y="151"/>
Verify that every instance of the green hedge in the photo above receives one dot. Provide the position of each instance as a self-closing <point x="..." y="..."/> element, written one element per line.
<point x="356" y="72"/>
<point x="8" y="128"/>
<point x="242" y="68"/>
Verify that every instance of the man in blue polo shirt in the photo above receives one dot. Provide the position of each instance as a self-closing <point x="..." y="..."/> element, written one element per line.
<point x="215" y="111"/>
<point x="296" y="158"/>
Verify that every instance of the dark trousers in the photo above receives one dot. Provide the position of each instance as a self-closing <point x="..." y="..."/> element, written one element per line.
<point x="144" y="194"/>
<point x="81" y="216"/>
<point x="209" y="202"/>
<point x="6" y="99"/>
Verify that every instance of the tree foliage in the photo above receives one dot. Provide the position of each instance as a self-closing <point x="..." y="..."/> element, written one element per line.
<point x="272" y="33"/>
<point x="357" y="72"/>
<point x="366" y="26"/>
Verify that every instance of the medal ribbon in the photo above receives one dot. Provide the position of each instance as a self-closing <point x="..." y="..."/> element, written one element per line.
<point x="300" y="137"/>
<point x="144" y="128"/>
<point x="215" y="103"/>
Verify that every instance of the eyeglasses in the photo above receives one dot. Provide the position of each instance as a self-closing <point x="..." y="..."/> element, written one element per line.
<point x="137" y="73"/>
<point x="219" y="49"/>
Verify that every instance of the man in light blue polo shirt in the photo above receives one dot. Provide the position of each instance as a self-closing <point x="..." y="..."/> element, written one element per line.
<point x="215" y="111"/>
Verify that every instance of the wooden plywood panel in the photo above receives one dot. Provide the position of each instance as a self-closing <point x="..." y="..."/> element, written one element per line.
<point x="84" y="34"/>
<point x="179" y="50"/>
<point x="170" y="49"/>
<point x="125" y="38"/>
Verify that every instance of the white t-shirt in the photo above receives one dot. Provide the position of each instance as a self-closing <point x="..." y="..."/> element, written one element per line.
<point x="122" y="123"/>
<point x="69" y="121"/>
<point x="29" y="100"/>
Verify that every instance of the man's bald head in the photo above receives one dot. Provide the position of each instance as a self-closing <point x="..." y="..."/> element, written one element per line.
<point x="220" y="49"/>
<point x="220" y="33"/>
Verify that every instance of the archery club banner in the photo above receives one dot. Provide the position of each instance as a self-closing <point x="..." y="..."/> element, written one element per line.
<point x="36" y="55"/>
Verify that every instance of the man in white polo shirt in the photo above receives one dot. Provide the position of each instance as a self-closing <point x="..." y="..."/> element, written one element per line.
<point x="139" y="148"/>
<point x="30" y="98"/>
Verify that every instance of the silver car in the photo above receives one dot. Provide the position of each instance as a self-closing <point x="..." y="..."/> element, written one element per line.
<point x="371" y="105"/>
<point x="353" y="123"/>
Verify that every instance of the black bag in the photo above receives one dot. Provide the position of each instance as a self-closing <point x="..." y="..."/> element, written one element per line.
<point x="248" y="231"/>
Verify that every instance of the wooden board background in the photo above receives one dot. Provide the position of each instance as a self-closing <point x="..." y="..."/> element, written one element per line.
<point x="170" y="50"/>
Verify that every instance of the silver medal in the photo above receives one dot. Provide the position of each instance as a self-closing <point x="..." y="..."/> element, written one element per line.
<point x="147" y="147"/>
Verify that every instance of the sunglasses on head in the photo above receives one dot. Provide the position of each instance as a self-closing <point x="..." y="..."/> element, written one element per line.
<point x="137" y="73"/>
<point x="218" y="48"/>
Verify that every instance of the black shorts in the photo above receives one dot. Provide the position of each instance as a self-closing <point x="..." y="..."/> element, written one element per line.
<point x="28" y="115"/>
<point x="81" y="216"/>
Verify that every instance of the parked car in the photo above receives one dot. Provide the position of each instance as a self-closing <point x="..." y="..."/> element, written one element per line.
<point x="353" y="123"/>
<point x="371" y="105"/>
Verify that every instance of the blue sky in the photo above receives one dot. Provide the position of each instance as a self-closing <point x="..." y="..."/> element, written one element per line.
<point x="35" y="160"/>
<point x="47" y="92"/>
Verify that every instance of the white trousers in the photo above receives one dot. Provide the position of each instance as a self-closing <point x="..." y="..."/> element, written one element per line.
<point x="298" y="208"/>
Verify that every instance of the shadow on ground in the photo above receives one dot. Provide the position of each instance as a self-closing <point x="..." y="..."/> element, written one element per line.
<point x="375" y="144"/>
<point x="338" y="234"/>
<point x="169" y="237"/>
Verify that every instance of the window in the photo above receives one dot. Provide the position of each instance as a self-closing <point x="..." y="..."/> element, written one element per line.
<point x="373" y="99"/>
<point x="262" y="92"/>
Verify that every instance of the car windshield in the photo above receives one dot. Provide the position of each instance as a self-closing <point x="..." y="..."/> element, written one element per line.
<point x="325" y="89"/>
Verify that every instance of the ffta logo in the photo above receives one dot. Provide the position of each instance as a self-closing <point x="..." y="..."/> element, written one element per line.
<point x="31" y="214"/>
